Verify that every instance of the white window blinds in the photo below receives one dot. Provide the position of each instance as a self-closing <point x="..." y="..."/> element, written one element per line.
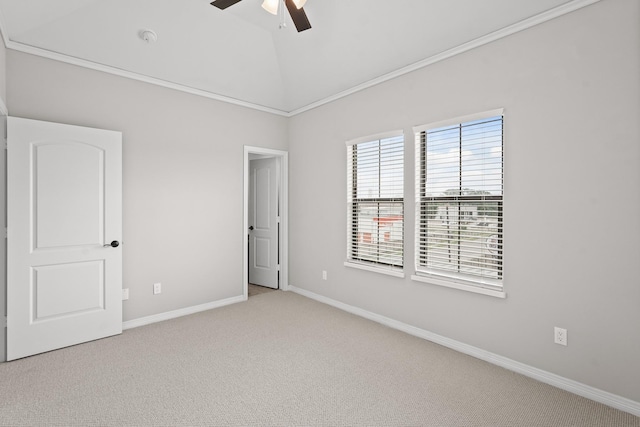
<point x="459" y="190"/>
<point x="375" y="202"/>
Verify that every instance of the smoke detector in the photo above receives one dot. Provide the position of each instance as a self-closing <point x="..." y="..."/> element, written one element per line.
<point x="148" y="36"/>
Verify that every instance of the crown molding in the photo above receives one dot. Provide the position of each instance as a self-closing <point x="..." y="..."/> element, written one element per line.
<point x="3" y="31"/>
<point x="21" y="47"/>
<point x="480" y="41"/>
<point x="543" y="17"/>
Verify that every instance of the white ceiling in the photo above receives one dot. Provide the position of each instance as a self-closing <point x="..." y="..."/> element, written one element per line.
<point x="241" y="55"/>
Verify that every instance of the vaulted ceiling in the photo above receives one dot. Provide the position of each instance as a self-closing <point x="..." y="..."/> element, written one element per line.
<point x="240" y="55"/>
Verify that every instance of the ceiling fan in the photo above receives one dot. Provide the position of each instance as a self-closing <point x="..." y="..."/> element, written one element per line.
<point x="296" y="11"/>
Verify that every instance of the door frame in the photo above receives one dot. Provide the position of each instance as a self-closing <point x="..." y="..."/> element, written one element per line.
<point x="283" y="207"/>
<point x="4" y="113"/>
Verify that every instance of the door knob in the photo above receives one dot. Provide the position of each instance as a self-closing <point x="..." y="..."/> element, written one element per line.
<point x="113" y="244"/>
<point x="251" y="228"/>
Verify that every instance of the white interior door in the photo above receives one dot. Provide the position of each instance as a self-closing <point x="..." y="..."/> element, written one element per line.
<point x="64" y="209"/>
<point x="263" y="223"/>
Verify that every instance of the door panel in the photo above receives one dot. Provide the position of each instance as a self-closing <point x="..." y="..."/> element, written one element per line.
<point x="263" y="222"/>
<point x="82" y="283"/>
<point x="64" y="192"/>
<point x="68" y="202"/>
<point x="262" y="249"/>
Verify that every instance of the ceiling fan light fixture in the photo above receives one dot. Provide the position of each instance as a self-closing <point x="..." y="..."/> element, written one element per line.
<point x="296" y="11"/>
<point x="299" y="3"/>
<point x="271" y="6"/>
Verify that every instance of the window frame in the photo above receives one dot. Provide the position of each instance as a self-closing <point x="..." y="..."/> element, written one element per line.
<point x="352" y="203"/>
<point x="441" y="277"/>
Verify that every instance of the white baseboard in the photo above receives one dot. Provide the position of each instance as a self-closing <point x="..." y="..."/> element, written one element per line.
<point x="179" y="313"/>
<point x="572" y="386"/>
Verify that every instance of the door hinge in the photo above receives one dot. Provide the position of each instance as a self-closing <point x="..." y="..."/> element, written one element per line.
<point x="5" y="322"/>
<point x="278" y="219"/>
<point x="278" y="267"/>
<point x="6" y="233"/>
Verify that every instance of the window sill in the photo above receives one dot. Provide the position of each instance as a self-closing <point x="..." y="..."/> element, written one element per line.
<point x="457" y="285"/>
<point x="388" y="271"/>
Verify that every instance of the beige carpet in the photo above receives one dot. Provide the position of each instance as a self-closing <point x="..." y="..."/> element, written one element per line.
<point x="258" y="290"/>
<point x="279" y="359"/>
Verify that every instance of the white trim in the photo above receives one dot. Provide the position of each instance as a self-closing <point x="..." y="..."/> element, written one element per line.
<point x="458" y="285"/>
<point x="601" y="396"/>
<point x="458" y="120"/>
<point x="142" y="321"/>
<point x="395" y="272"/>
<point x="139" y="77"/>
<point x="480" y="41"/>
<point x="284" y="215"/>
<point x="376" y="137"/>
<point x="3" y="30"/>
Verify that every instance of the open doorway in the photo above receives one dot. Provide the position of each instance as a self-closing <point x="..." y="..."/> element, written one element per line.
<point x="265" y="233"/>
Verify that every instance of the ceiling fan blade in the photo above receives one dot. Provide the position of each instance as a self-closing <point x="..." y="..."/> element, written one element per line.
<point x="223" y="4"/>
<point x="298" y="16"/>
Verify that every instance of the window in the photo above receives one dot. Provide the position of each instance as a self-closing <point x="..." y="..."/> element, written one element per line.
<point x="459" y="189"/>
<point x="375" y="202"/>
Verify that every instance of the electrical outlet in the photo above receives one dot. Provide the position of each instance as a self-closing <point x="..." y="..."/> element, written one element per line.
<point x="125" y="294"/>
<point x="560" y="336"/>
<point x="324" y="274"/>
<point x="157" y="288"/>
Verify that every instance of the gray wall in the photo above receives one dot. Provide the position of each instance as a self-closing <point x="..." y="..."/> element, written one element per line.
<point x="570" y="90"/>
<point x="182" y="174"/>
<point x="572" y="231"/>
